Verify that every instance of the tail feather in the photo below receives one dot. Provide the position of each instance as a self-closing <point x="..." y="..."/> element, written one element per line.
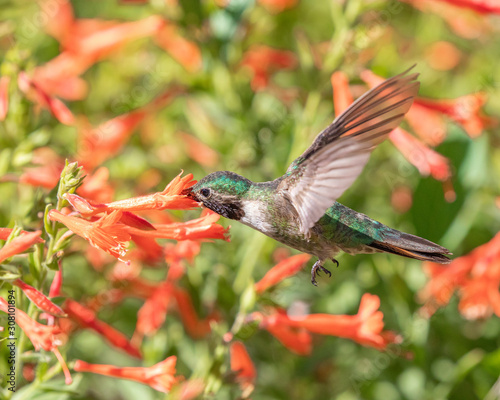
<point x="411" y="246"/>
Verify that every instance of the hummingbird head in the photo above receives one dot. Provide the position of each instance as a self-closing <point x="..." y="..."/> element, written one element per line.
<point x="222" y="192"/>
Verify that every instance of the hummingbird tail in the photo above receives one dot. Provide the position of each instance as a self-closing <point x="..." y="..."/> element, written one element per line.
<point x="411" y="246"/>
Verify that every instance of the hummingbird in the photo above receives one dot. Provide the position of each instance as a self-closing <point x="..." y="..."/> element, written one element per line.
<point x="299" y="209"/>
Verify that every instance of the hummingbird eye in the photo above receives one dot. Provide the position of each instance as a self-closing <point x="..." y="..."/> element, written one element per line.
<point x="205" y="192"/>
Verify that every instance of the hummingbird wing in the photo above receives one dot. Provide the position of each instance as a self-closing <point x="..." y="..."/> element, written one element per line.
<point x="339" y="153"/>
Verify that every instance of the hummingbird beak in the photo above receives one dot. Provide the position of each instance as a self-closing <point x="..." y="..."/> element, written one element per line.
<point x="189" y="193"/>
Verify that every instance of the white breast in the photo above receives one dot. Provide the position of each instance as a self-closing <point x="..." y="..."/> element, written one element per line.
<point x="256" y="216"/>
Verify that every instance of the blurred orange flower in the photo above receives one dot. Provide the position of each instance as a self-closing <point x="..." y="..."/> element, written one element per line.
<point x="242" y="366"/>
<point x="153" y="312"/>
<point x="464" y="22"/>
<point x="297" y="340"/>
<point x="105" y="233"/>
<point x="427" y="161"/>
<point x="199" y="151"/>
<point x="182" y="50"/>
<point x="19" y="244"/>
<point x="476" y="276"/>
<point x="481" y="6"/>
<point x="42" y="336"/>
<point x="465" y="110"/>
<point x="196" y="328"/>
<point x="261" y="60"/>
<point x="282" y="270"/>
<point x="39" y="299"/>
<point x="365" y="328"/>
<point x="4" y="96"/>
<point x="159" y="376"/>
<point x="277" y="6"/>
<point x="86" y="318"/>
<point x="40" y="97"/>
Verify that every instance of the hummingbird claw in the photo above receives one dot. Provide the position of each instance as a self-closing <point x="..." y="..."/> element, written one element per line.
<point x="336" y="262"/>
<point x="315" y="272"/>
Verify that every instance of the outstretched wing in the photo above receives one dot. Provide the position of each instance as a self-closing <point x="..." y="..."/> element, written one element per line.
<point x="339" y="153"/>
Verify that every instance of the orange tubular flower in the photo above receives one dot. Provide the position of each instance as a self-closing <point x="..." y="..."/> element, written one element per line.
<point x="86" y="318"/>
<point x="365" y="328"/>
<point x="261" y="60"/>
<point x="282" y="270"/>
<point x="427" y="161"/>
<point x="476" y="276"/>
<point x="297" y="340"/>
<point x="39" y="299"/>
<point x="342" y="97"/>
<point x="195" y="327"/>
<point x="242" y="366"/>
<point x="152" y="314"/>
<point x="201" y="228"/>
<point x="42" y="336"/>
<point x="97" y="145"/>
<point x="428" y="124"/>
<point x="480" y="6"/>
<point x="96" y="187"/>
<point x="20" y="244"/>
<point x="55" y="286"/>
<point x="39" y="96"/>
<point x="4" y="96"/>
<point x="199" y="151"/>
<point x="277" y="6"/>
<point x="160" y="376"/>
<point x="182" y="50"/>
<point x="465" y="23"/>
<point x="465" y="110"/>
<point x="170" y="198"/>
<point x="104" y="233"/>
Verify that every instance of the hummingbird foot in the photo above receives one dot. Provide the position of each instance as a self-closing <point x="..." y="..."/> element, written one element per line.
<point x="315" y="271"/>
<point x="335" y="262"/>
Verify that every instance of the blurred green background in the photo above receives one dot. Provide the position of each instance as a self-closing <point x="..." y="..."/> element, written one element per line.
<point x="257" y="134"/>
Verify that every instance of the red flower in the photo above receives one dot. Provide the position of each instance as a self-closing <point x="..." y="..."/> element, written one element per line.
<point x="282" y="270"/>
<point x="20" y="244"/>
<point x="199" y="151"/>
<point x="428" y="124"/>
<point x="195" y="327"/>
<point x="277" y="6"/>
<point x="97" y="145"/>
<point x="105" y="233"/>
<point x="183" y="51"/>
<point x="297" y="340"/>
<point x="95" y="186"/>
<point x="481" y="6"/>
<point x="365" y="328"/>
<point x="42" y="336"/>
<point x="342" y="97"/>
<point x="261" y="60"/>
<point x="204" y="227"/>
<point x="465" y="110"/>
<point x="47" y="170"/>
<point x="242" y="366"/>
<point x="427" y="161"/>
<point x="170" y="198"/>
<point x="153" y="312"/>
<point x="4" y="96"/>
<point x="476" y="276"/>
<point x="55" y="287"/>
<point x="86" y="318"/>
<point x="39" y="96"/>
<point x="39" y="299"/>
<point x="466" y="23"/>
<point x="159" y="376"/>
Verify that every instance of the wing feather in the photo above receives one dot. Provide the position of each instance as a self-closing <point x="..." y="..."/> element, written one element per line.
<point x="339" y="153"/>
